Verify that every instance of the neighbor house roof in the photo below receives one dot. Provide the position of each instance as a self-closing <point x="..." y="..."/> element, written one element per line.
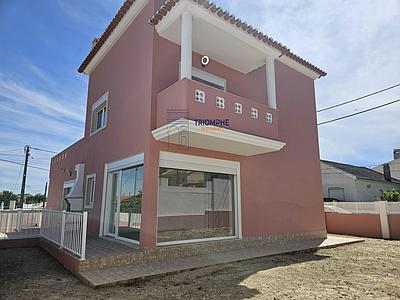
<point x="219" y="12"/>
<point x="359" y="172"/>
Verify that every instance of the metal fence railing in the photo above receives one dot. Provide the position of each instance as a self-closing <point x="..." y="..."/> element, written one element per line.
<point x="66" y="229"/>
<point x="20" y="224"/>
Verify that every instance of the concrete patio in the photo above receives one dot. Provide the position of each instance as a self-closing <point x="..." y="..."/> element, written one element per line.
<point x="114" y="263"/>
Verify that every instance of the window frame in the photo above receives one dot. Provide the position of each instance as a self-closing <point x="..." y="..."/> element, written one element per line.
<point x="239" y="105"/>
<point x="204" y="164"/>
<point x="100" y="105"/>
<point x="88" y="177"/>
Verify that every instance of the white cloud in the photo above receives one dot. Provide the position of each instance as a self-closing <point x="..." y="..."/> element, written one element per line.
<point x="37" y="99"/>
<point x="357" y="43"/>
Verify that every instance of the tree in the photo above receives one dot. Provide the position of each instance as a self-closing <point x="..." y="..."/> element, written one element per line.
<point x="38" y="198"/>
<point x="391" y="196"/>
<point x="6" y="197"/>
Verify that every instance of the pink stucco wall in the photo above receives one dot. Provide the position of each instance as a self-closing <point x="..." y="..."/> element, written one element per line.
<point x="366" y="225"/>
<point x="180" y="95"/>
<point x="125" y="72"/>
<point x="394" y="226"/>
<point x="281" y="191"/>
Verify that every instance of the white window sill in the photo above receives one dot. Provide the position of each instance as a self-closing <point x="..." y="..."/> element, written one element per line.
<point x="98" y="130"/>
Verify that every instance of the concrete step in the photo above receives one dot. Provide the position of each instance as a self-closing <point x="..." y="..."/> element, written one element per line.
<point x="130" y="273"/>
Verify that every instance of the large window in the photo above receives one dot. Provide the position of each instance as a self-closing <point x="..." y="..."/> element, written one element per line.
<point x="195" y="205"/>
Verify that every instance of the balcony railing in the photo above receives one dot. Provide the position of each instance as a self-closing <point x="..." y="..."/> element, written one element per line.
<point x="197" y="101"/>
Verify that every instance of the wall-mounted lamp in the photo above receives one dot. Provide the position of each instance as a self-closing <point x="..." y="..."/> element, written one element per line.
<point x="205" y="60"/>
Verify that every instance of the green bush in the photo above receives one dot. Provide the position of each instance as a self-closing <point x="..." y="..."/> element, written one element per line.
<point x="391" y="196"/>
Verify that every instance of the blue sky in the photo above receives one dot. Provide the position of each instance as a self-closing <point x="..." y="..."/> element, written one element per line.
<point x="42" y="97"/>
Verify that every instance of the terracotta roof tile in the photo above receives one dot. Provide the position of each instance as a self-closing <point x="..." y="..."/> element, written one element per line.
<point x="225" y="15"/>
<point x="251" y="31"/>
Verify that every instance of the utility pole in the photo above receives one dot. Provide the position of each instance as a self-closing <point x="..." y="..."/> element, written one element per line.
<point x="45" y="192"/>
<point x="26" y="149"/>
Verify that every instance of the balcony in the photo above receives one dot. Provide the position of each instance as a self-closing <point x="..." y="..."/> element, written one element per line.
<point x="249" y="128"/>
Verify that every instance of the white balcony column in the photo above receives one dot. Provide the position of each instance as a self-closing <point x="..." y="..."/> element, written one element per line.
<point x="186" y="45"/>
<point x="271" y="92"/>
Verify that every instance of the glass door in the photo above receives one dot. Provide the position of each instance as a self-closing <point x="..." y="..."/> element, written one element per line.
<point x="113" y="197"/>
<point x="124" y="200"/>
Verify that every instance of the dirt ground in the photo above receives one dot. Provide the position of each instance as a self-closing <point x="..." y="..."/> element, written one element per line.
<point x="368" y="270"/>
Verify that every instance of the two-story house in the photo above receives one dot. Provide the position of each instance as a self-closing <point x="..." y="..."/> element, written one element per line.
<point x="198" y="128"/>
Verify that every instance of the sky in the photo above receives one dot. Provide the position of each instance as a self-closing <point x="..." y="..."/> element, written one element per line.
<point x="43" y="97"/>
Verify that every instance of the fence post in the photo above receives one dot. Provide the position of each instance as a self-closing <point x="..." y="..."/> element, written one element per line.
<point x="84" y="229"/>
<point x="383" y="215"/>
<point x="62" y="229"/>
<point x="18" y="221"/>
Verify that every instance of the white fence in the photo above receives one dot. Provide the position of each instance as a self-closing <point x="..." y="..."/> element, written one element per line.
<point x="392" y="208"/>
<point x="381" y="208"/>
<point x="20" y="224"/>
<point x="352" y="207"/>
<point x="65" y="229"/>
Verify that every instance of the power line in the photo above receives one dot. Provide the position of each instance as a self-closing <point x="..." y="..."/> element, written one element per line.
<point x="360" y="112"/>
<point x="359" y="98"/>
<point x="43" y="150"/>
<point x="21" y="164"/>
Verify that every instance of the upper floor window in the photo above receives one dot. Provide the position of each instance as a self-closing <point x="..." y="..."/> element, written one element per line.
<point x="99" y="114"/>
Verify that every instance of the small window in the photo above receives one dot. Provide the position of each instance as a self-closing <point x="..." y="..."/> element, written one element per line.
<point x="269" y="118"/>
<point x="99" y="114"/>
<point x="200" y="96"/>
<point x="254" y="113"/>
<point x="238" y="108"/>
<point x="220" y="102"/>
<point x="89" y="195"/>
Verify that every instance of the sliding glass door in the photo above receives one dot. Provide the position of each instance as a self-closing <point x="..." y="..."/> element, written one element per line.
<point x="124" y="203"/>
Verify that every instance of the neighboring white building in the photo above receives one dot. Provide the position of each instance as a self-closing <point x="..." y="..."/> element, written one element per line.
<point x="344" y="182"/>
<point x="393" y="164"/>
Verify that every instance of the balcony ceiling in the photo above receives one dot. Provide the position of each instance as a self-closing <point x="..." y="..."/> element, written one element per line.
<point x="219" y="40"/>
<point x="226" y="140"/>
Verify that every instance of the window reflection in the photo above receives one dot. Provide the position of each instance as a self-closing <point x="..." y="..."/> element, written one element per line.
<point x="195" y="205"/>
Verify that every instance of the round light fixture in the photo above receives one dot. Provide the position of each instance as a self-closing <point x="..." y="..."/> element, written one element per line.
<point x="205" y="60"/>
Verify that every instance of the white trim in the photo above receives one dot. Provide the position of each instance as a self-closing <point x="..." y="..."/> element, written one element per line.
<point x="130" y="16"/>
<point x="263" y="145"/>
<point x="205" y="164"/>
<point x="69" y="183"/>
<point x="186" y="45"/>
<point x="199" y="12"/>
<point x="197" y="163"/>
<point x="94" y="190"/>
<point x="238" y="111"/>
<point x="126" y="162"/>
<point x="270" y="76"/>
<point x="103" y="201"/>
<point x="110" y="167"/>
<point x="298" y="67"/>
<point x="101" y="102"/>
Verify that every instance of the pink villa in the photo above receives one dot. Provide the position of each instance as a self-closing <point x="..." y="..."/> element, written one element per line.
<point x="198" y="128"/>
